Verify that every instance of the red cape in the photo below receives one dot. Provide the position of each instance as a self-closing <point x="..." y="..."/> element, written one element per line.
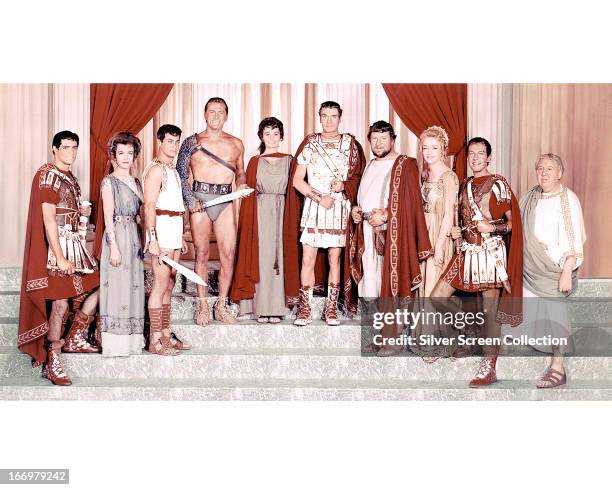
<point x="291" y="233"/>
<point x="36" y="285"/>
<point x="246" y="272"/>
<point x="407" y="241"/>
<point x="510" y="309"/>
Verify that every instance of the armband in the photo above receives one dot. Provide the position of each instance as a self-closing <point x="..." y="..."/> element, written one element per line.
<point x="500" y="228"/>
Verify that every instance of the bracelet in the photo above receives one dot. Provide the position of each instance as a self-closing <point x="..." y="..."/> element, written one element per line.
<point x="151" y="234"/>
<point x="500" y="228"/>
<point x="315" y="195"/>
<point x="110" y="237"/>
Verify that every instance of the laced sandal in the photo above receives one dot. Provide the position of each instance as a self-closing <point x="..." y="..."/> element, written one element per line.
<point x="203" y="315"/>
<point x="486" y="374"/>
<point x="263" y="319"/>
<point x="76" y="339"/>
<point x="275" y="319"/>
<point x="331" y="305"/>
<point x="158" y="342"/>
<point x="53" y="370"/>
<point x="551" y="378"/>
<point x="304" y="314"/>
<point x="176" y="342"/>
<point x="222" y="312"/>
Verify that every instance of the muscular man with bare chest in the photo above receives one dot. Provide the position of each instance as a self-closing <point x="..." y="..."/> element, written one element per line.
<point x="215" y="158"/>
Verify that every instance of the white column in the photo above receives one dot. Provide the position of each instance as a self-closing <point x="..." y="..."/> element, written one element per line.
<point x="490" y="116"/>
<point x="70" y="111"/>
<point x="26" y="145"/>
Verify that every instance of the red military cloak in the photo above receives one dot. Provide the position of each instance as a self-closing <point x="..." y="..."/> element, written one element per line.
<point x="36" y="285"/>
<point x="291" y="233"/>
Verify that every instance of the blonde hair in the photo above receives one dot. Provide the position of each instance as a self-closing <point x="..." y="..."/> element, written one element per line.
<point x="438" y="133"/>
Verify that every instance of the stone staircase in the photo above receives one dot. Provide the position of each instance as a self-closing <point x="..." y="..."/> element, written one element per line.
<point x="250" y="361"/>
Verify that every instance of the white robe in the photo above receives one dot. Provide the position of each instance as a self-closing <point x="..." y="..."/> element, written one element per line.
<point x="373" y="193"/>
<point x="562" y="233"/>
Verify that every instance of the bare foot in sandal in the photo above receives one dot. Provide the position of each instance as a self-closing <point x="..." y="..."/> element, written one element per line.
<point x="551" y="378"/>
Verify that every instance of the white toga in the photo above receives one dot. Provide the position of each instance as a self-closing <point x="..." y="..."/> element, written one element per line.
<point x="373" y="193"/>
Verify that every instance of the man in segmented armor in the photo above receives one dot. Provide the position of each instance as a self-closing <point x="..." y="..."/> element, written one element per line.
<point x="490" y="260"/>
<point x="57" y="267"/>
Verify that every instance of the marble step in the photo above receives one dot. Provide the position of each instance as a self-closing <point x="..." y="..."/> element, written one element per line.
<point x="293" y="364"/>
<point x="222" y="389"/>
<point x="245" y="335"/>
<point x="593" y="339"/>
<point x="184" y="306"/>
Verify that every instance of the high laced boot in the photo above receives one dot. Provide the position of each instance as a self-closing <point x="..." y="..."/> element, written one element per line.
<point x="176" y="343"/>
<point x="203" y="314"/>
<point x="304" y="314"/>
<point x="486" y="374"/>
<point x="222" y="312"/>
<point x="331" y="306"/>
<point x="53" y="370"/>
<point x="159" y="343"/>
<point x="76" y="340"/>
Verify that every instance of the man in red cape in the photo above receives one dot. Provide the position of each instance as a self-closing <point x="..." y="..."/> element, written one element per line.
<point x="490" y="262"/>
<point x="49" y="276"/>
<point x="320" y="219"/>
<point x="406" y="238"/>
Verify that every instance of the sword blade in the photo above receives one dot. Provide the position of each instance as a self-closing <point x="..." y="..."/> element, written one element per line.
<point x="232" y="196"/>
<point x="189" y="274"/>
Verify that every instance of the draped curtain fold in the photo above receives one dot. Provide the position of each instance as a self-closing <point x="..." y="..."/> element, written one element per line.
<point x="118" y="107"/>
<point x="444" y="104"/>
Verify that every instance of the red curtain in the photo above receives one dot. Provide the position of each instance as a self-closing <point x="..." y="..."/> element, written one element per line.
<point x="118" y="107"/>
<point x="421" y="105"/>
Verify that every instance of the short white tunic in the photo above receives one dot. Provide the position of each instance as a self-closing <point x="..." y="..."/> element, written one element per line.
<point x="169" y="229"/>
<point x="324" y="228"/>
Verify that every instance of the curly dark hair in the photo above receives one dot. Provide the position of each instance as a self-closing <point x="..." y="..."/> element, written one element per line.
<point x="123" y="138"/>
<point x="381" y="127"/>
<point x="272" y="123"/>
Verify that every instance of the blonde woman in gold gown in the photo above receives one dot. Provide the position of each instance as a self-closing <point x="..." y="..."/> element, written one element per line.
<point x="439" y="187"/>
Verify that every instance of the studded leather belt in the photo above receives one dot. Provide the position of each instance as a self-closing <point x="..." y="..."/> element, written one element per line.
<point x="219" y="189"/>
